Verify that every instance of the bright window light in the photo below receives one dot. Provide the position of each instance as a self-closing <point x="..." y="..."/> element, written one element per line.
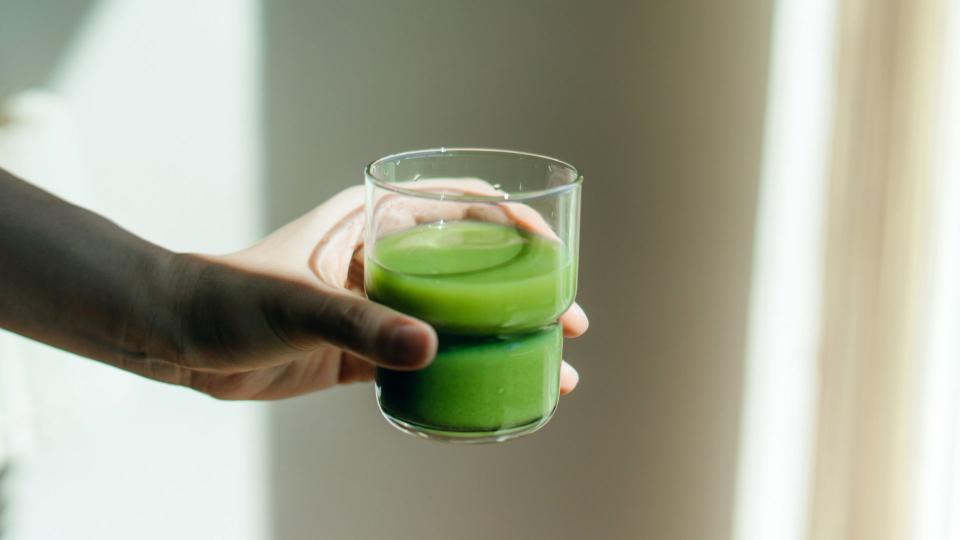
<point x="781" y="366"/>
<point x="937" y="511"/>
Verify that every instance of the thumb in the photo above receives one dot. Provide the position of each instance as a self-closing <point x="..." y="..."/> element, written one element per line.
<point x="383" y="336"/>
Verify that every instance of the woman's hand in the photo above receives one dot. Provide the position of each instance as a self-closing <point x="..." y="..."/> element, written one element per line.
<point x="282" y="318"/>
<point x="287" y="316"/>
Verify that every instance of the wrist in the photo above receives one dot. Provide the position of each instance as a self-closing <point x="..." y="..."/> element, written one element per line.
<point x="155" y="326"/>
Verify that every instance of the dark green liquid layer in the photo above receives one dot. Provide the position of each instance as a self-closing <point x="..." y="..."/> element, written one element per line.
<point x="479" y="384"/>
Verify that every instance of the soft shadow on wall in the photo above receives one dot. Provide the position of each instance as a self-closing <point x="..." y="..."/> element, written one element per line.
<point x="33" y="37"/>
<point x="660" y="104"/>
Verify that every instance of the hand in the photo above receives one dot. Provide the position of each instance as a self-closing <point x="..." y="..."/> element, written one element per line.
<point x="287" y="316"/>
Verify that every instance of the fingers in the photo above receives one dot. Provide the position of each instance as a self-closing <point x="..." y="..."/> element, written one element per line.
<point x="283" y="250"/>
<point x="375" y="332"/>
<point x="341" y="221"/>
<point x="396" y="212"/>
<point x="529" y="219"/>
<point x="318" y="370"/>
<point x="574" y="321"/>
<point x="568" y="379"/>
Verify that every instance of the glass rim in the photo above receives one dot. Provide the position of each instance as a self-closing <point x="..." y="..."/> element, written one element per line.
<point x="507" y="195"/>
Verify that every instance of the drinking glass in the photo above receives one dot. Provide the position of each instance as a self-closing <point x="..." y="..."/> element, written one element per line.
<point x="482" y="244"/>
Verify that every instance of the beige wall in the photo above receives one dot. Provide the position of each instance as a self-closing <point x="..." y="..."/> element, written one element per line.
<point x="660" y="104"/>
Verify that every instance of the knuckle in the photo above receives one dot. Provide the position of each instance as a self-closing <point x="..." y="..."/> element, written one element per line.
<point x="488" y="213"/>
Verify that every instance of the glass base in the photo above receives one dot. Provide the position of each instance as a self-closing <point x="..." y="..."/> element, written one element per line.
<point x="467" y="437"/>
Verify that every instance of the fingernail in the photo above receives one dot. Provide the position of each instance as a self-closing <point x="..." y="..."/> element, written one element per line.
<point x="568" y="383"/>
<point x="411" y="345"/>
<point x="581" y="313"/>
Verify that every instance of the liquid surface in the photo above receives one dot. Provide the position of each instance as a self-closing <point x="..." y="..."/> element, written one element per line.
<point x="471" y="277"/>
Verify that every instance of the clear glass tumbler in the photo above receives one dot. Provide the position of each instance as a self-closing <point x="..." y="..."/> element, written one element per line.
<point x="482" y="244"/>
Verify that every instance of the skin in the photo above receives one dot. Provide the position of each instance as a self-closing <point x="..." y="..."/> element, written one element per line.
<point x="282" y="318"/>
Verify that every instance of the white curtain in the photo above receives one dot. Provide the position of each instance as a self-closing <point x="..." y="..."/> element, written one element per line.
<point x="850" y="422"/>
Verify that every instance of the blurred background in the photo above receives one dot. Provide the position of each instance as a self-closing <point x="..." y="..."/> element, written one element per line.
<point x="770" y="255"/>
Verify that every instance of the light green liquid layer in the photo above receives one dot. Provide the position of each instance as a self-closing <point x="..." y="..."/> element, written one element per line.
<point x="470" y="277"/>
<point x="494" y="294"/>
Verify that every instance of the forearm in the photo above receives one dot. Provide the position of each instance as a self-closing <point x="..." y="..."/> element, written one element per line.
<point x="74" y="280"/>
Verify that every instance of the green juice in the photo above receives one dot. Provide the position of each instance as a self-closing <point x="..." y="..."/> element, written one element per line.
<point x="478" y="385"/>
<point x="494" y="294"/>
